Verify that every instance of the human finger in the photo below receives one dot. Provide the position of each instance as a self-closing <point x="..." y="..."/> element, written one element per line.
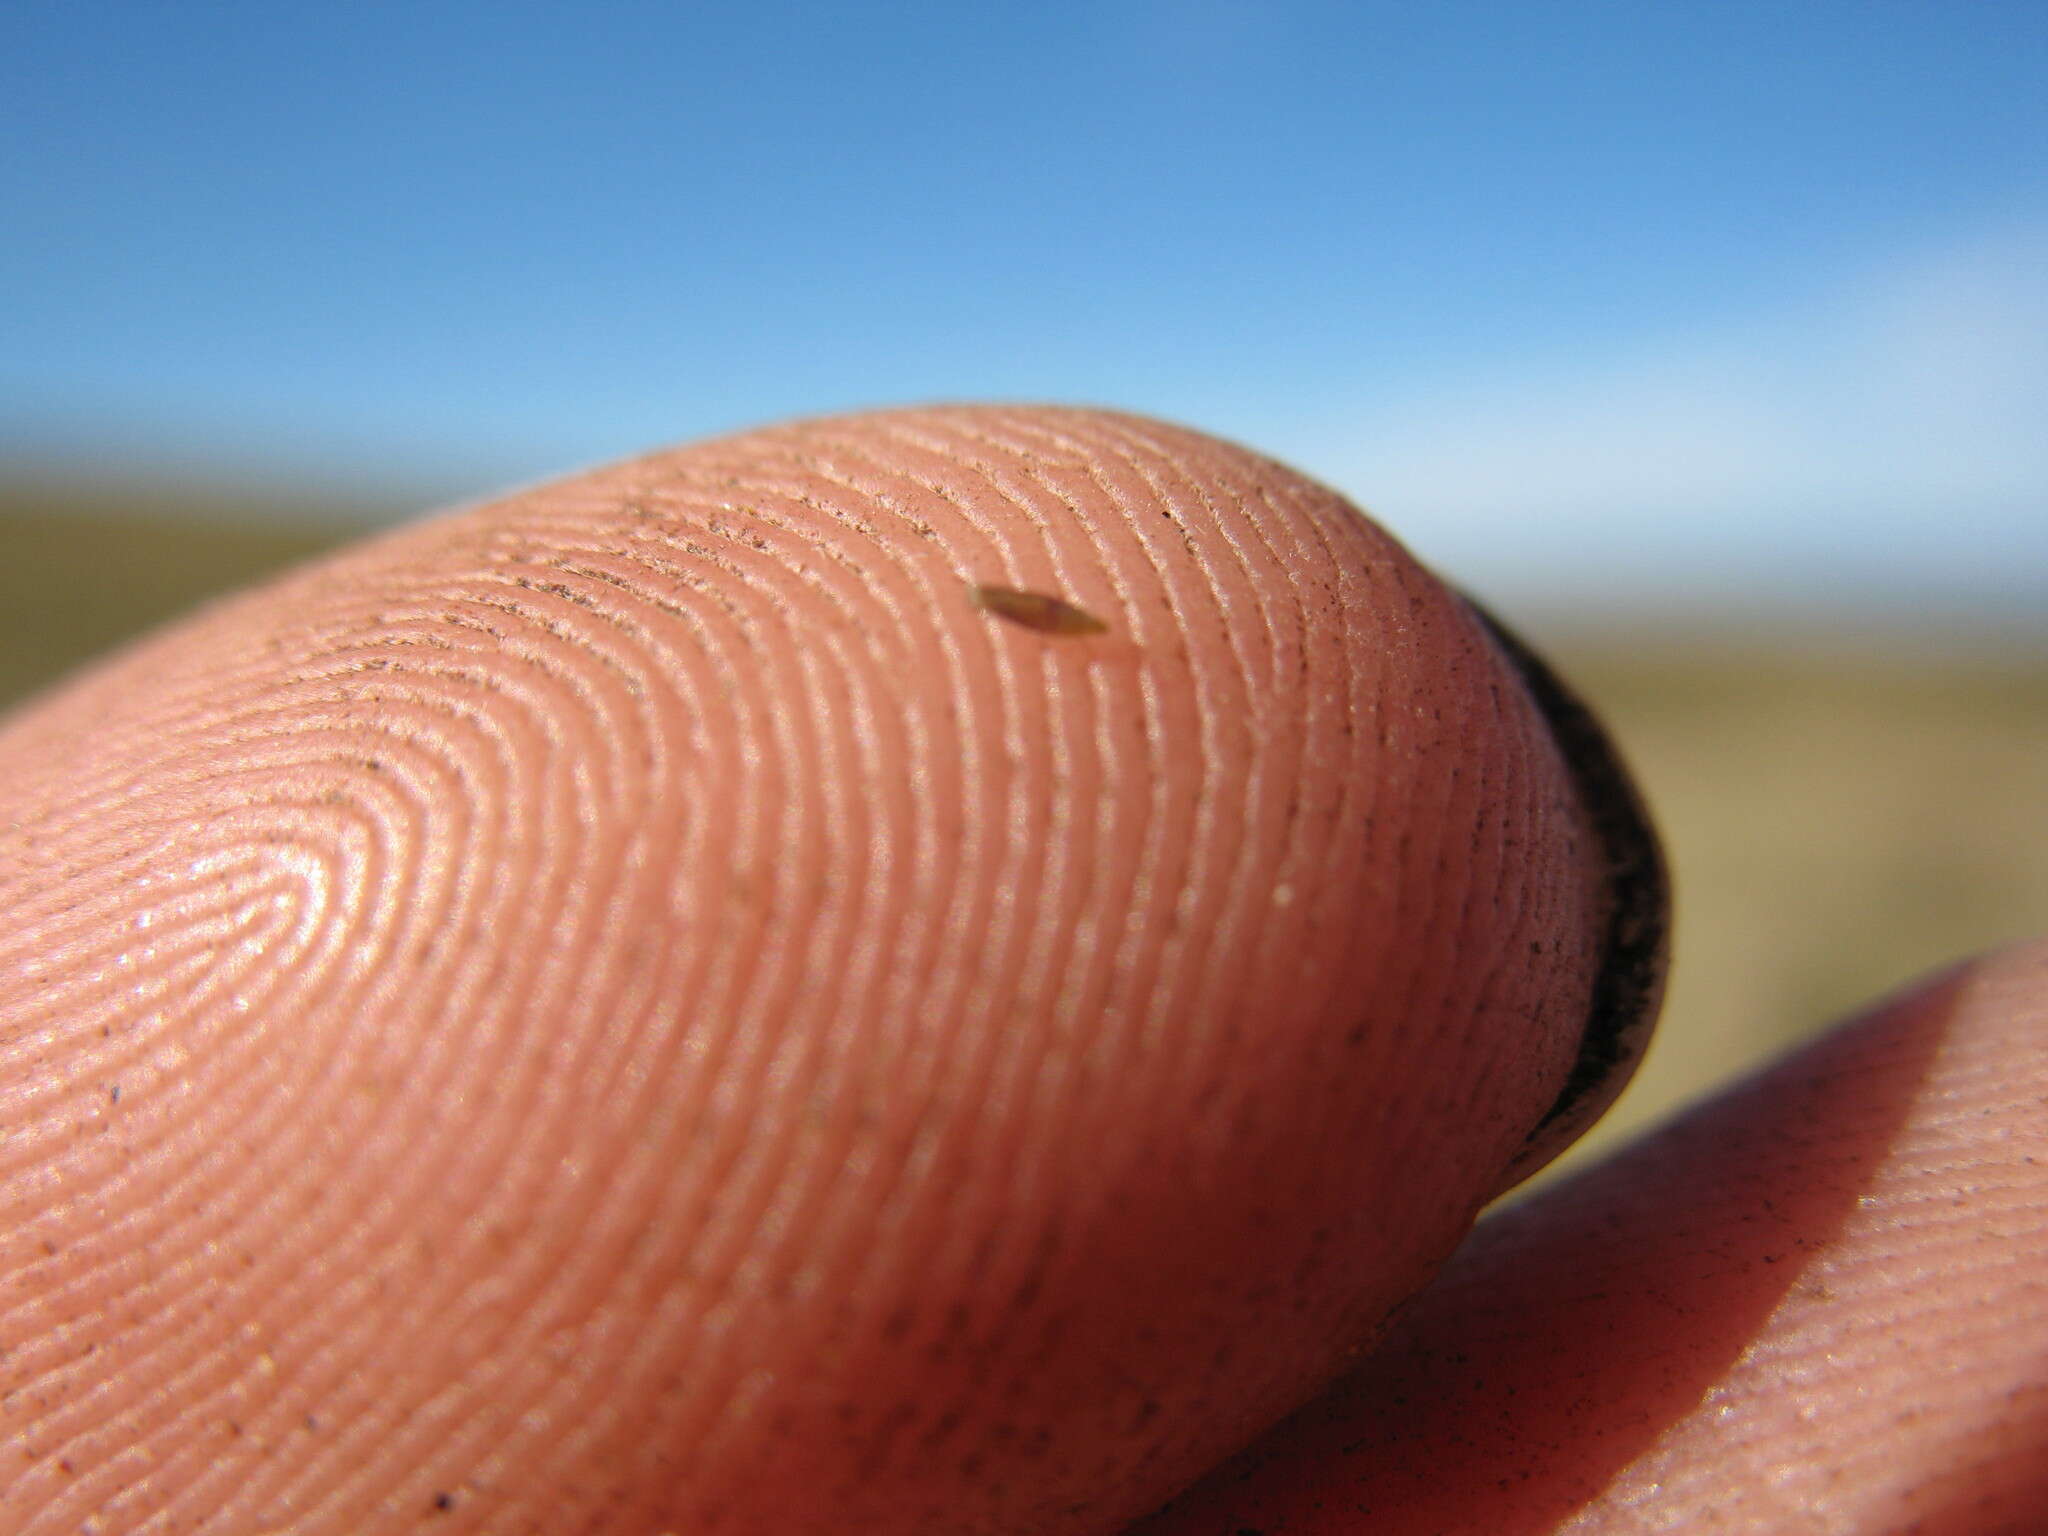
<point x="930" y="971"/>
<point x="1819" y="1303"/>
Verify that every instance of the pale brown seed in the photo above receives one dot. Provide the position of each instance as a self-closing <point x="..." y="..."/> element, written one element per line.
<point x="1041" y="611"/>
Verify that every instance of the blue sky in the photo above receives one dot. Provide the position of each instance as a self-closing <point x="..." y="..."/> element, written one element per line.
<point x="1582" y="299"/>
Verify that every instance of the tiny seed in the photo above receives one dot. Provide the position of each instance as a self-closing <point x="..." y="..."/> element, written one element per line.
<point x="1041" y="611"/>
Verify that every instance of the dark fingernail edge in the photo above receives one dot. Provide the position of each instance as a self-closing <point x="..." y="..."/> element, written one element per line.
<point x="1629" y="986"/>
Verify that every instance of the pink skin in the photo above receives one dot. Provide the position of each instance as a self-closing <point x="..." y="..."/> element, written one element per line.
<point x="1818" y="1304"/>
<point x="645" y="1007"/>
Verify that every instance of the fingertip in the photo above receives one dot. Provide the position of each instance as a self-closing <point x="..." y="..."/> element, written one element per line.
<point x="642" y="1002"/>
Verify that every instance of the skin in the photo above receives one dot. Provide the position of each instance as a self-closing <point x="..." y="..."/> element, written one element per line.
<point x="1813" y="1305"/>
<point x="645" y="1007"/>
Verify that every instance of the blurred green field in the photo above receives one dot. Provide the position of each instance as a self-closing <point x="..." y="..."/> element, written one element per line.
<point x="83" y="568"/>
<point x="1841" y="817"/>
<point x="1842" y="814"/>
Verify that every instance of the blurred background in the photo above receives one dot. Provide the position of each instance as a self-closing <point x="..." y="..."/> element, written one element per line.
<point x="1707" y="342"/>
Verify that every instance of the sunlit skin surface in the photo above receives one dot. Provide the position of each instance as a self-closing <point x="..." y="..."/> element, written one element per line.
<point x="639" y="1008"/>
<point x="653" y="1006"/>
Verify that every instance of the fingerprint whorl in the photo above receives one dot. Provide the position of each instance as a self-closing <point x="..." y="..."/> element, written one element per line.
<point x="564" y="985"/>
